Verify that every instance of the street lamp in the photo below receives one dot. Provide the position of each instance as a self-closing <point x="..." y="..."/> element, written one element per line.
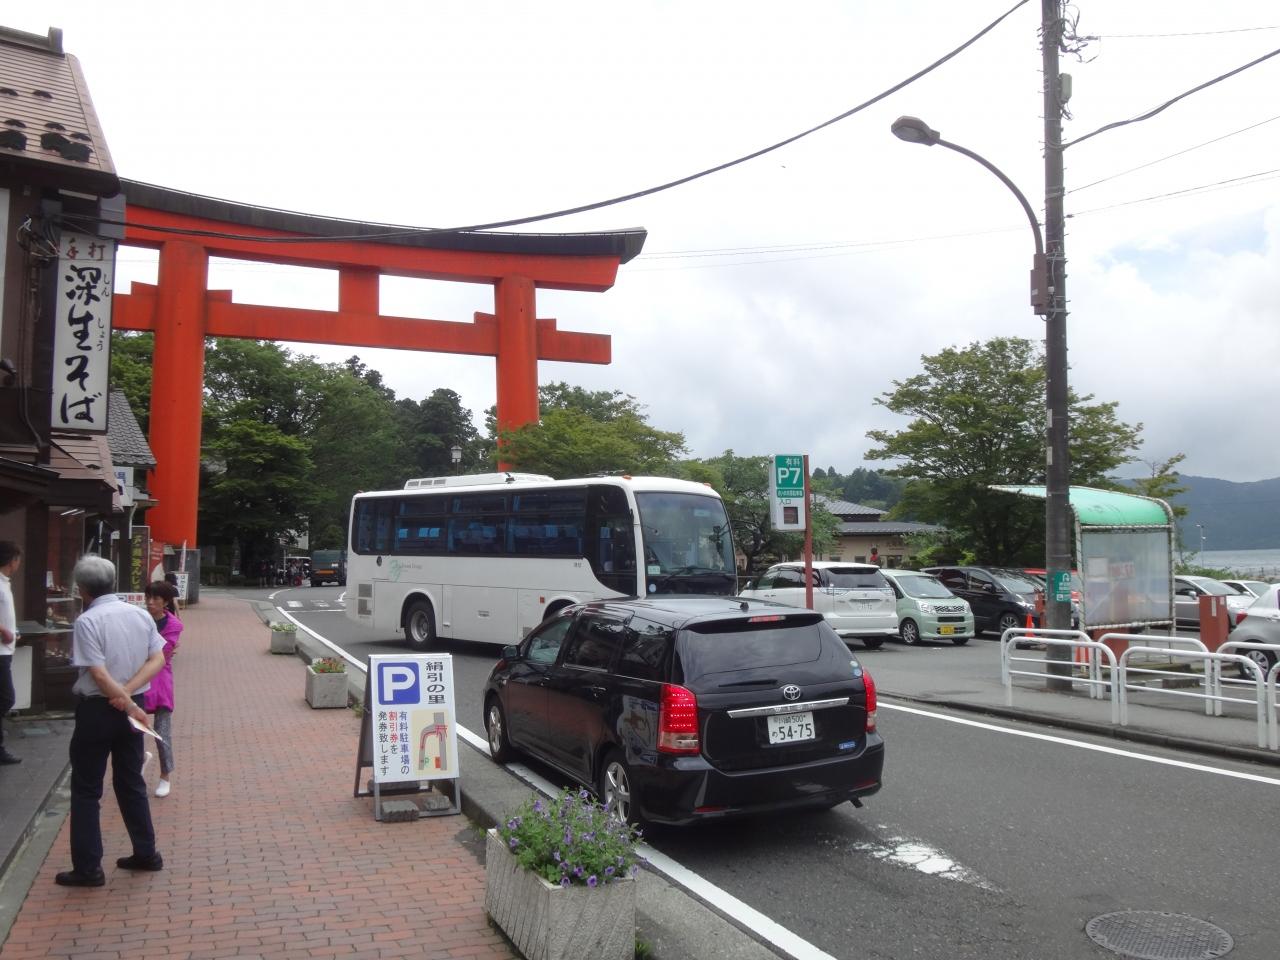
<point x="1200" y="555"/>
<point x="1057" y="512"/>
<point x="455" y="455"/>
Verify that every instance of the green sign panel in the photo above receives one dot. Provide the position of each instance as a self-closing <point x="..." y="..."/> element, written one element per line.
<point x="788" y="476"/>
<point x="1060" y="585"/>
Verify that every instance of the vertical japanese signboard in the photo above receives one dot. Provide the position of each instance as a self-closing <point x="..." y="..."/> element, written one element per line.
<point x="412" y="729"/>
<point x="786" y="492"/>
<point x="82" y="333"/>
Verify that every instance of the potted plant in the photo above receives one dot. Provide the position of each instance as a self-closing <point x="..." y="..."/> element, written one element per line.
<point x="284" y="636"/>
<point x="326" y="683"/>
<point x="559" y="880"/>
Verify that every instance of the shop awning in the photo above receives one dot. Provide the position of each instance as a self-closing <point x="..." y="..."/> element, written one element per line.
<point x="1105" y="508"/>
<point x="86" y="478"/>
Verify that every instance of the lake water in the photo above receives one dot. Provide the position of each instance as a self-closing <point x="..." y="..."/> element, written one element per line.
<point x="1266" y="562"/>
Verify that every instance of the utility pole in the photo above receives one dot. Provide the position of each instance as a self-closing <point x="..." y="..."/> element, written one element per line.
<point x="1057" y="455"/>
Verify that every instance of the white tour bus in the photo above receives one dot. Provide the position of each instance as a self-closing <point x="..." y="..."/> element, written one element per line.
<point x="487" y="557"/>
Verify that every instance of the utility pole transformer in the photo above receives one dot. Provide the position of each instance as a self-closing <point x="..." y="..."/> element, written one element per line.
<point x="1057" y="454"/>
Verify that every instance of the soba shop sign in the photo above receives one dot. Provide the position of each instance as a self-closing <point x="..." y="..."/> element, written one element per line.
<point x="786" y="492"/>
<point x="82" y="333"/>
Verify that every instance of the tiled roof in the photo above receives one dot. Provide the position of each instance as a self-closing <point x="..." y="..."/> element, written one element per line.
<point x="897" y="527"/>
<point x="129" y="448"/>
<point x="48" y="126"/>
<point x="843" y="508"/>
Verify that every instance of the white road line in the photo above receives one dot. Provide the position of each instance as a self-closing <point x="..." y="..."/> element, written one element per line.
<point x="1097" y="748"/>
<point x="338" y="651"/>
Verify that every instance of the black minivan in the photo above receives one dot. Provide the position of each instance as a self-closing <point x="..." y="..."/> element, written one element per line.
<point x="1001" y="599"/>
<point x="677" y="709"/>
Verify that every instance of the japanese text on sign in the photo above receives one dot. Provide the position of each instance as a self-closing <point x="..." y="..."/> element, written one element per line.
<point x="412" y="712"/>
<point x="786" y="492"/>
<point x="82" y="333"/>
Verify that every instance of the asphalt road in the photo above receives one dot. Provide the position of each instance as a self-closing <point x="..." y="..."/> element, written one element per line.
<point x="982" y="843"/>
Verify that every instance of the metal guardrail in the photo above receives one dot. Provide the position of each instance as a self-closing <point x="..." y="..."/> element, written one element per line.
<point x="1118" y="682"/>
<point x="1212" y="662"/>
<point x="1076" y="639"/>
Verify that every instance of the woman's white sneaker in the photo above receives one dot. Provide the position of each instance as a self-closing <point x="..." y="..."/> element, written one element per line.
<point x="162" y="788"/>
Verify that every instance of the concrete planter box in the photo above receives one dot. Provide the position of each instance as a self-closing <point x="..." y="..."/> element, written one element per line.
<point x="547" y="922"/>
<point x="283" y="641"/>
<point x="326" y="690"/>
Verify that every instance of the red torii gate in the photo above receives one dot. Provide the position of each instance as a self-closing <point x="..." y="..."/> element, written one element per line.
<point x="182" y="311"/>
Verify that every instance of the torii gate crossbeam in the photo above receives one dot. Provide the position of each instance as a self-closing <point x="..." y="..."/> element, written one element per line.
<point x="182" y="311"/>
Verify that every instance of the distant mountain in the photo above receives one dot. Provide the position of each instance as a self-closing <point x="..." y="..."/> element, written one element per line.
<point x="1235" y="516"/>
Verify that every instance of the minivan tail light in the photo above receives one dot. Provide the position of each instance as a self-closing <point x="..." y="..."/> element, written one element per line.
<point x="869" y="686"/>
<point x="678" y="721"/>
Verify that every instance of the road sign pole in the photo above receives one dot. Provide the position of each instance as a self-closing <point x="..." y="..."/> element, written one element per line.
<point x="808" y="539"/>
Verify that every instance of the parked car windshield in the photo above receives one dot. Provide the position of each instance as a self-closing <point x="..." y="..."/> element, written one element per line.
<point x="1214" y="588"/>
<point x="730" y="647"/>
<point x="1018" y="584"/>
<point x="853" y="578"/>
<point x="923" y="587"/>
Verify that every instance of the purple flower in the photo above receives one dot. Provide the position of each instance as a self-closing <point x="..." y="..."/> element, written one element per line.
<point x="608" y="871"/>
<point x="513" y="842"/>
<point x="578" y="871"/>
<point x="582" y="795"/>
<point x="537" y="806"/>
<point x="592" y="881"/>
<point x="513" y="823"/>
<point x="555" y="855"/>
<point x="564" y="881"/>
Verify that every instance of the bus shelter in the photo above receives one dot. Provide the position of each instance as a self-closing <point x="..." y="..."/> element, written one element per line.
<point x="1123" y="547"/>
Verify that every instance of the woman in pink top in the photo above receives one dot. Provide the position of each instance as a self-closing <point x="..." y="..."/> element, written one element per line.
<point x="159" y="698"/>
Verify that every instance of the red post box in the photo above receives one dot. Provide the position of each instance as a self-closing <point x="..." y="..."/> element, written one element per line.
<point x="1215" y="622"/>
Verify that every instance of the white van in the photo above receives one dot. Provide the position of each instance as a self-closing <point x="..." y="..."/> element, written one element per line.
<point x="855" y="598"/>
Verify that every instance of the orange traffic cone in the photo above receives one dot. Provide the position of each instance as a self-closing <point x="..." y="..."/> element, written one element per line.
<point x="1031" y="625"/>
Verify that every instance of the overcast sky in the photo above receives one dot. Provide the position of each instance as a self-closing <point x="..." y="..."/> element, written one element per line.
<point x="775" y="301"/>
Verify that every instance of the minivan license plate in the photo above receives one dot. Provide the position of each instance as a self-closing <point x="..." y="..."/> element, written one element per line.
<point x="946" y="630"/>
<point x="791" y="728"/>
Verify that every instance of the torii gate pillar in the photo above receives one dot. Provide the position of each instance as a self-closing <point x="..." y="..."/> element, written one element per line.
<point x="177" y="391"/>
<point x="517" y="353"/>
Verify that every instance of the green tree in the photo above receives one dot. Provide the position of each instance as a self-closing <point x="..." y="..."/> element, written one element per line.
<point x="258" y="487"/>
<point x="430" y="428"/>
<point x="977" y="420"/>
<point x="581" y="432"/>
<point x="131" y="360"/>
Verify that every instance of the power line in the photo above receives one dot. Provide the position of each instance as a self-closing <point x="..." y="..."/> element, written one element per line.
<point x="1247" y="180"/>
<point x="1164" y="106"/>
<point x="649" y="191"/>
<point x="1194" y="33"/>
<point x="1170" y="156"/>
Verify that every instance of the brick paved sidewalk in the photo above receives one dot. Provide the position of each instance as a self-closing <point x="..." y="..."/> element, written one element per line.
<point x="266" y="852"/>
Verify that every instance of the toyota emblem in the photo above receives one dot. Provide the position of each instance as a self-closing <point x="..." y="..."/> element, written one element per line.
<point x="791" y="691"/>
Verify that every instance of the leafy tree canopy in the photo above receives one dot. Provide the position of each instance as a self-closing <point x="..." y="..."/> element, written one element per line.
<point x="977" y="419"/>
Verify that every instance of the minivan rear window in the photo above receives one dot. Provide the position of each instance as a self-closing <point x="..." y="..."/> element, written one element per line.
<point x="852" y="578"/>
<point x="730" y="647"/>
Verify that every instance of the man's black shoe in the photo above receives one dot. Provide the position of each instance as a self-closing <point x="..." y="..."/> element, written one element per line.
<point x="7" y="757"/>
<point x="74" y="878"/>
<point x="135" y="862"/>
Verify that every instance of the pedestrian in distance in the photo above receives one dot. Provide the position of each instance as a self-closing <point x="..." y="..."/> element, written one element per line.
<point x="118" y="649"/>
<point x="158" y="700"/>
<point x="10" y="560"/>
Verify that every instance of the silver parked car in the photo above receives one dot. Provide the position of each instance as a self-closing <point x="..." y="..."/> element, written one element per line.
<point x="1261" y="624"/>
<point x="855" y="598"/>
<point x="1187" y="591"/>
<point x="1248" y="588"/>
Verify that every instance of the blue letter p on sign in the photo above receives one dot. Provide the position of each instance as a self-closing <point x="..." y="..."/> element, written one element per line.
<point x="398" y="683"/>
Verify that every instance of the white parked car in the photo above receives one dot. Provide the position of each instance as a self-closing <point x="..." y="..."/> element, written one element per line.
<point x="855" y="598"/>
<point x="1187" y="591"/>
<point x="1248" y="588"/>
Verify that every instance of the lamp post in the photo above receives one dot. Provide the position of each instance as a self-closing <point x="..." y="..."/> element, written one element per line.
<point x="455" y="455"/>
<point x="1057" y="511"/>
<point x="1200" y="555"/>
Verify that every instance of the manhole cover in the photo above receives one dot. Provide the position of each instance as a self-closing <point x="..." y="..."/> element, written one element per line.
<point x="1148" y="935"/>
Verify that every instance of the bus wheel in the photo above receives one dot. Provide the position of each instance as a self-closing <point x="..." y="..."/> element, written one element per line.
<point x="420" y="625"/>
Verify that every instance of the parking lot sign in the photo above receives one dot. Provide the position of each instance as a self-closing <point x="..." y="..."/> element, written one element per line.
<point x="786" y="492"/>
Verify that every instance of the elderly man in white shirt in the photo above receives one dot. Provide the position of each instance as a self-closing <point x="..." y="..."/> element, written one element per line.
<point x="118" y="650"/>
<point x="10" y="559"/>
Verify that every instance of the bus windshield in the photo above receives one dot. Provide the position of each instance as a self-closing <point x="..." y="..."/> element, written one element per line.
<point x="687" y="544"/>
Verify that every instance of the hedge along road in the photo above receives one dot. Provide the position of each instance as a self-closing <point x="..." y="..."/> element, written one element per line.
<point x="989" y="838"/>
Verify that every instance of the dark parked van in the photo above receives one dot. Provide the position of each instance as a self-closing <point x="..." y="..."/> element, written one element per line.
<point x="678" y="709"/>
<point x="1001" y="599"/>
